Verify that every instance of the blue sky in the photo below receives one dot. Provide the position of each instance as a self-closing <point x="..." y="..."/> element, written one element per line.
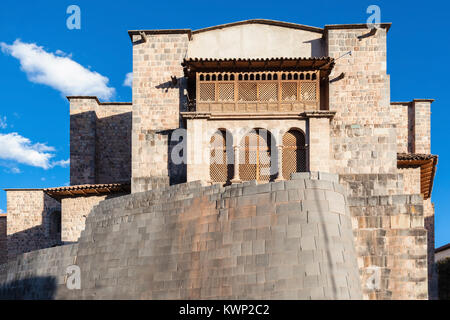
<point x="35" y="116"/>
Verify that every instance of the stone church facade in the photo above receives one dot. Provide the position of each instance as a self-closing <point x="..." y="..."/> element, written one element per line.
<point x="255" y="104"/>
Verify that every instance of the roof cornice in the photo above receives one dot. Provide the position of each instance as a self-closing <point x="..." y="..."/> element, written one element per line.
<point x="262" y="21"/>
<point x="283" y="24"/>
<point x="189" y="32"/>
<point x="386" y="25"/>
<point x="98" y="101"/>
<point x="132" y="33"/>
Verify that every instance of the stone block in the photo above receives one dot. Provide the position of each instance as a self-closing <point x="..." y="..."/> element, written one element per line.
<point x="307" y="243"/>
<point x="300" y="175"/>
<point x="329" y="177"/>
<point x="294" y="184"/>
<point x="319" y="184"/>
<point x="282" y="196"/>
<point x="291" y="207"/>
<point x="315" y="205"/>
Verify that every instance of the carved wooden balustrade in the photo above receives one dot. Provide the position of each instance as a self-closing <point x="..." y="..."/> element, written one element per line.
<point x="267" y="91"/>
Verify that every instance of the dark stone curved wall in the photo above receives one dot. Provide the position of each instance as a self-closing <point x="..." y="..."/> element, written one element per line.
<point x="283" y="240"/>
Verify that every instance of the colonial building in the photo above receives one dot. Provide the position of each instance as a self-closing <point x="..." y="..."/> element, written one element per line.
<point x="256" y="100"/>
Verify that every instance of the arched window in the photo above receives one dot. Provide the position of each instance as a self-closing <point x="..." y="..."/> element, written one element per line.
<point x="221" y="157"/>
<point x="255" y="156"/>
<point x="55" y="223"/>
<point x="294" y="153"/>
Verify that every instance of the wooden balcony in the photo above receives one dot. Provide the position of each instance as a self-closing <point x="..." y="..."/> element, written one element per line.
<point x="250" y="92"/>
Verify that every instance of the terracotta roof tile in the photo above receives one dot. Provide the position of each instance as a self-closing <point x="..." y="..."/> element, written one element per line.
<point x="87" y="189"/>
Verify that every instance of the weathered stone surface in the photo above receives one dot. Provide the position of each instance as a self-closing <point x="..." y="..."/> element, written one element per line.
<point x="179" y="243"/>
<point x="100" y="141"/>
<point x="29" y="221"/>
<point x="3" y="239"/>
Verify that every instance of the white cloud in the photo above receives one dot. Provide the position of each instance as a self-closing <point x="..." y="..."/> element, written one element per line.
<point x="61" y="163"/>
<point x="15" y="170"/>
<point x="128" y="82"/>
<point x="58" y="71"/>
<point x="3" y="124"/>
<point x="62" y="53"/>
<point x="10" y="168"/>
<point x="14" y="147"/>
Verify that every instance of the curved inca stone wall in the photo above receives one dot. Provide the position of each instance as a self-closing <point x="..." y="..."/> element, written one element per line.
<point x="283" y="240"/>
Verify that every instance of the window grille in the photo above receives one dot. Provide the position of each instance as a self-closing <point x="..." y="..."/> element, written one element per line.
<point x="221" y="161"/>
<point x="254" y="157"/>
<point x="289" y="91"/>
<point x="284" y="91"/>
<point x="294" y="153"/>
<point x="268" y="91"/>
<point x="226" y="91"/>
<point x="247" y="91"/>
<point x="207" y="92"/>
<point x="308" y="91"/>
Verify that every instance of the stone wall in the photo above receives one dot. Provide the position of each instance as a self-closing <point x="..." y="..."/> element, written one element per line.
<point x="3" y="239"/>
<point x="428" y="208"/>
<point x="390" y="235"/>
<point x="74" y="213"/>
<point x="82" y="141"/>
<point x="156" y="106"/>
<point x="391" y="244"/>
<point x="29" y="221"/>
<point x="422" y="113"/>
<point x="363" y="138"/>
<point x="411" y="180"/>
<point x="368" y="185"/>
<point x="40" y="274"/>
<point x="100" y="141"/>
<point x="283" y="240"/>
<point x="402" y="115"/>
<point x="413" y="123"/>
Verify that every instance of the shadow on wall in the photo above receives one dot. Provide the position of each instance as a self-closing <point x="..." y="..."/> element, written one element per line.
<point x="100" y="148"/>
<point x="45" y="235"/>
<point x="34" y="288"/>
<point x="433" y="290"/>
<point x="113" y="148"/>
<point x="32" y="239"/>
<point x="317" y="47"/>
<point x="443" y="268"/>
<point x="177" y="170"/>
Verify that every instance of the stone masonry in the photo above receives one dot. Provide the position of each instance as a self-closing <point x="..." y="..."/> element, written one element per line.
<point x="3" y="239"/>
<point x="28" y="221"/>
<point x="284" y="240"/>
<point x="74" y="213"/>
<point x="100" y="141"/>
<point x="363" y="137"/>
<point x="156" y="105"/>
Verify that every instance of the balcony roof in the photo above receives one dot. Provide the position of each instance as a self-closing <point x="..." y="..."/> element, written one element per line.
<point x="427" y="164"/>
<point x="192" y="65"/>
<point x="87" y="190"/>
